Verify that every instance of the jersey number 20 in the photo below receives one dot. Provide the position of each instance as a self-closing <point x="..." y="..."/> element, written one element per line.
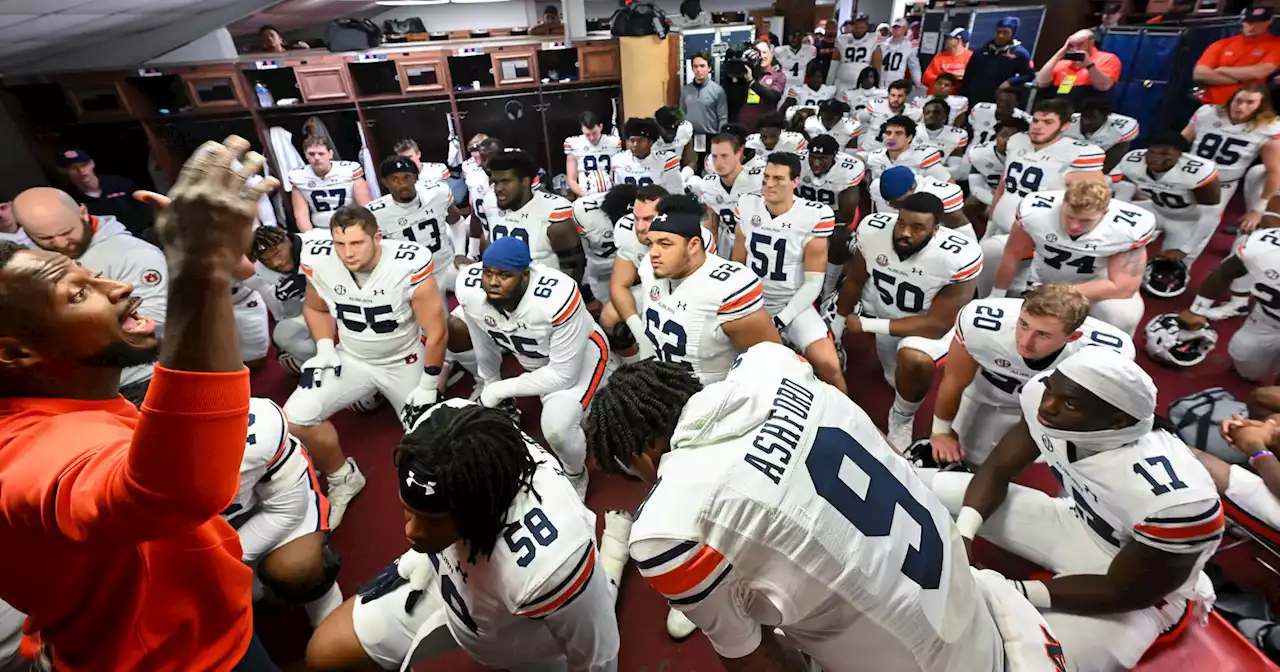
<point x="873" y="511"/>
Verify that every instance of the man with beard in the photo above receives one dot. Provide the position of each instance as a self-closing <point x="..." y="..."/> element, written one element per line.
<point x="56" y="223"/>
<point x="112" y="506"/>
<point x="277" y="254"/>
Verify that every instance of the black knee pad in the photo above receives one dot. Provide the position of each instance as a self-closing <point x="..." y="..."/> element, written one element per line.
<point x="621" y="337"/>
<point x="313" y="591"/>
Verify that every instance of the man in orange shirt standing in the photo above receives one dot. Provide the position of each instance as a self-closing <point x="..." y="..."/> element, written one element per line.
<point x="1080" y="71"/>
<point x="1247" y="58"/>
<point x="953" y="59"/>
<point x="109" y="514"/>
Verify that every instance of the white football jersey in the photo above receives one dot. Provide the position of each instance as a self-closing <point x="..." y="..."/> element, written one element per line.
<point x="534" y="333"/>
<point x="986" y="161"/>
<point x="807" y="97"/>
<point x="1260" y="252"/>
<point x="1172" y="193"/>
<point x="844" y="131"/>
<point x="900" y="288"/>
<point x="530" y="223"/>
<point x="761" y="516"/>
<point x="543" y="562"/>
<point x="950" y="193"/>
<point x="274" y="461"/>
<point x="631" y="249"/>
<point x="1029" y="170"/>
<point x="431" y="172"/>
<point x="1152" y="491"/>
<point x="660" y="168"/>
<point x="794" y="62"/>
<point x="1071" y="261"/>
<point x="375" y="315"/>
<point x="988" y="330"/>
<point x="1118" y="129"/>
<point x="859" y="99"/>
<point x="710" y="190"/>
<point x="477" y="181"/>
<point x="982" y="117"/>
<point x="424" y="220"/>
<point x="957" y="104"/>
<point x="596" y="231"/>
<point x="897" y="59"/>
<point x="775" y="245"/>
<point x="855" y="55"/>
<point x="285" y="292"/>
<point x="946" y="138"/>
<point x="326" y="194"/>
<point x="1233" y="147"/>
<point x="683" y="318"/>
<point x="19" y="237"/>
<point x="684" y="134"/>
<point x="592" y="158"/>
<point x="873" y="117"/>
<point x="788" y="141"/>
<point x="847" y="172"/>
<point x="922" y="159"/>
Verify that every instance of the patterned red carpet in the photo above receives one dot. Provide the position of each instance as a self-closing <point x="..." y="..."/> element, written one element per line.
<point x="371" y="535"/>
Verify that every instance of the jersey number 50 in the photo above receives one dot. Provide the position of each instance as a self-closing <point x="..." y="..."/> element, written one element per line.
<point x="873" y="511"/>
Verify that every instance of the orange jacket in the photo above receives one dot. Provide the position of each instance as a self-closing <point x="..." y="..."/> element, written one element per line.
<point x="116" y="551"/>
<point x="945" y="62"/>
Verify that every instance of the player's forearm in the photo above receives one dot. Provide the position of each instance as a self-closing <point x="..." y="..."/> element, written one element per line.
<point x="804" y="297"/>
<point x="999" y="193"/>
<point x="573" y="261"/>
<point x="924" y="326"/>
<point x="556" y="375"/>
<point x="437" y="340"/>
<point x="1005" y="271"/>
<point x="1212" y="76"/>
<point x="850" y="291"/>
<point x="949" y="394"/>
<point x="1101" y="289"/>
<point x="320" y="323"/>
<point x="275" y="519"/>
<point x="620" y="283"/>
<point x="1269" y="189"/>
<point x="200" y="324"/>
<point x="979" y="188"/>
<point x="1097" y="595"/>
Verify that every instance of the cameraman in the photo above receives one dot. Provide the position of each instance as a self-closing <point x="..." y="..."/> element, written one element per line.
<point x="765" y="84"/>
<point x="1080" y="71"/>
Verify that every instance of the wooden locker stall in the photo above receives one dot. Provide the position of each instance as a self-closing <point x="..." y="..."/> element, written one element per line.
<point x="561" y="108"/>
<point x="514" y="118"/>
<point x="423" y="121"/>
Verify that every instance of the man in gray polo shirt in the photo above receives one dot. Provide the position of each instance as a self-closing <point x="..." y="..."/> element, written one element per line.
<point x="704" y="105"/>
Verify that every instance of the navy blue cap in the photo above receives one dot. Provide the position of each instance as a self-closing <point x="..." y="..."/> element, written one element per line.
<point x="824" y="145"/>
<point x="1010" y="22"/>
<point x="507" y="254"/>
<point x="896" y="182"/>
<point x="71" y="157"/>
<point x="1259" y="14"/>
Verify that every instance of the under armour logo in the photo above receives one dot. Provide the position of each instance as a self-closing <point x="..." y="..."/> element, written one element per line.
<point x="379" y="292"/>
<point x="661" y="218"/>
<point x="428" y="488"/>
<point x="681" y="305"/>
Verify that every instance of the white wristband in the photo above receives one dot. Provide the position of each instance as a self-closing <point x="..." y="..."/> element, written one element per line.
<point x="874" y="325"/>
<point x="968" y="522"/>
<point x="429" y="381"/>
<point x="1200" y="304"/>
<point x="1036" y="593"/>
<point x="997" y="293"/>
<point x="941" y="426"/>
<point x="636" y="325"/>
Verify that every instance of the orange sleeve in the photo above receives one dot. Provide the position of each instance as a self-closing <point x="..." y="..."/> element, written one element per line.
<point x="179" y="468"/>
<point x="931" y="73"/>
<point x="1211" y="58"/>
<point x="1273" y="55"/>
<point x="1111" y="67"/>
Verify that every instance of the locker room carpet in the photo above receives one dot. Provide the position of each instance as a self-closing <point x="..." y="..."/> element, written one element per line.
<point x="372" y="534"/>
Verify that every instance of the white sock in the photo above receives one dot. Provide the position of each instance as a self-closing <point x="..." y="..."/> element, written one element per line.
<point x="317" y="610"/>
<point x="467" y="359"/>
<point x="903" y="407"/>
<point x="572" y="450"/>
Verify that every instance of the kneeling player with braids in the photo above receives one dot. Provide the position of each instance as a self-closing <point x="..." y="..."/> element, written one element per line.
<point x="277" y="255"/>
<point x="503" y="554"/>
<point x="743" y="547"/>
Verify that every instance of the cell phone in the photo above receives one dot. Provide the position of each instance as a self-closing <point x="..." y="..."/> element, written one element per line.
<point x="1074" y="56"/>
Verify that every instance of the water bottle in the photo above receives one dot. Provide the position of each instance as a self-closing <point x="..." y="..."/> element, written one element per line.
<point x="264" y="96"/>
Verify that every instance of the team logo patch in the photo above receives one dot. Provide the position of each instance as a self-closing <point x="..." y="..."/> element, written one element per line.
<point x="1053" y="649"/>
<point x="755" y="220"/>
<point x="653" y="293"/>
<point x="1048" y="444"/>
<point x="1272" y="274"/>
<point x="151" y="277"/>
<point x="411" y="359"/>
<point x="1051" y="237"/>
<point x="882" y="260"/>
<point x="311" y="183"/>
<point x="251" y="304"/>
<point x="489" y="321"/>
<point x="1002" y="363"/>
<point x="404" y="220"/>
<point x="339" y="290"/>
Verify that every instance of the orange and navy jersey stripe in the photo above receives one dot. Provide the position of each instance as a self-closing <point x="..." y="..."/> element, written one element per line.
<point x="306" y="270"/>
<point x="560" y="214"/>
<point x="1130" y="135"/>
<point x="602" y="364"/>
<point x="1143" y="241"/>
<point x="1119" y="177"/>
<point x="744" y="301"/>
<point x="1205" y="182"/>
<point x="933" y="159"/>
<point x="686" y="573"/>
<point x="568" y="148"/>
<point x="1258" y="527"/>
<point x="824" y="227"/>
<point x="1090" y="161"/>
<point x="567" y="309"/>
<point x="968" y="271"/>
<point x="566" y="592"/>
<point x="1184" y="533"/>
<point x="313" y="484"/>
<point x="672" y="163"/>
<point x="953" y="202"/>
<point x="422" y="274"/>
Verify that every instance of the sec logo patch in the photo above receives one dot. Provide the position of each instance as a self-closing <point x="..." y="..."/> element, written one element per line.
<point x="653" y="293"/>
<point x="151" y="277"/>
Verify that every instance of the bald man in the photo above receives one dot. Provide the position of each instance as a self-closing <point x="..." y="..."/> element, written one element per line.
<point x="55" y="222"/>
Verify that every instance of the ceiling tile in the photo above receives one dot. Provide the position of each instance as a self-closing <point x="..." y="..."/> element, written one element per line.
<point x="39" y="6"/>
<point x="13" y="19"/>
<point x="143" y="6"/>
<point x="49" y="24"/>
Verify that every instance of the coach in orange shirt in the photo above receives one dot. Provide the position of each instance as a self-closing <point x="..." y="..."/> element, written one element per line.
<point x="1080" y="70"/>
<point x="1247" y="58"/>
<point x="953" y="59"/>
<point x="109" y="515"/>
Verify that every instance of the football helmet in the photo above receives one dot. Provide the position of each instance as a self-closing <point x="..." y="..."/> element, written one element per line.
<point x="598" y="181"/>
<point x="1170" y="342"/>
<point x="920" y="455"/>
<point x="1165" y="278"/>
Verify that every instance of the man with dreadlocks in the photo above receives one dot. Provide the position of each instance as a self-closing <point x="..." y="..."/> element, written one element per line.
<point x="777" y="504"/>
<point x="535" y="313"/>
<point x="503" y="553"/>
<point x="277" y="277"/>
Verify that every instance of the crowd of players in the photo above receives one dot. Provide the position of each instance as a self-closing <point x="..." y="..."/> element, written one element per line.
<point x="687" y="330"/>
